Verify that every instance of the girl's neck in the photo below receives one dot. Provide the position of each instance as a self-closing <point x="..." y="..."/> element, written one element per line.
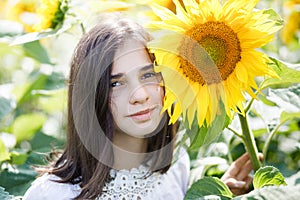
<point x="129" y="151"/>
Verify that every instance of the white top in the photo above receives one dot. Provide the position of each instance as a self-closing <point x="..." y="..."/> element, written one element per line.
<point x="126" y="184"/>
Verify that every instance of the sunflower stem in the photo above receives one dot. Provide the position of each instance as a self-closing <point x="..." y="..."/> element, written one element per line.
<point x="249" y="105"/>
<point x="249" y="142"/>
<point x="82" y="28"/>
<point x="269" y="139"/>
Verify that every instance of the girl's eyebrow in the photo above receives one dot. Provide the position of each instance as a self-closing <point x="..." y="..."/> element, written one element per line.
<point x="119" y="75"/>
<point x="116" y="76"/>
<point x="147" y="67"/>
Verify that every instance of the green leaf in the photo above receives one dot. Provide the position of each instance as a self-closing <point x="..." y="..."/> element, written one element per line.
<point x="4" y="195"/>
<point x="45" y="142"/>
<point x="35" y="50"/>
<point x="266" y="176"/>
<point x="208" y="186"/>
<point x="16" y="181"/>
<point x="205" y="135"/>
<point x="285" y="71"/>
<point x="55" y="81"/>
<point x="288" y="116"/>
<point x="274" y="16"/>
<point x="18" y="156"/>
<point x="5" y="107"/>
<point x="29" y="37"/>
<point x="26" y="92"/>
<point x="286" y="98"/>
<point x="4" y="154"/>
<point x="272" y="193"/>
<point x="25" y="126"/>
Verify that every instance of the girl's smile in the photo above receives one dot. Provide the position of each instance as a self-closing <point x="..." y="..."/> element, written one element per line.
<point x="143" y="115"/>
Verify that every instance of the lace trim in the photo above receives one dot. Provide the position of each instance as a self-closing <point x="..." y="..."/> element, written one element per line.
<point x="134" y="184"/>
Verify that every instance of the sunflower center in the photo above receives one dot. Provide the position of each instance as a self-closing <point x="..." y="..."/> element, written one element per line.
<point x="210" y="52"/>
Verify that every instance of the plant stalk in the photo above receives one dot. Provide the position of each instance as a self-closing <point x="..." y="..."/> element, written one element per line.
<point x="249" y="142"/>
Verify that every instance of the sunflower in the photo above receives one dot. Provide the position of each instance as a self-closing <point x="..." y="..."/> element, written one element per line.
<point x="51" y="14"/>
<point x="290" y="29"/>
<point x="206" y="54"/>
<point x="22" y="11"/>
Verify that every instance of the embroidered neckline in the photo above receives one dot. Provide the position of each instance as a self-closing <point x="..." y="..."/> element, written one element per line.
<point x="133" y="184"/>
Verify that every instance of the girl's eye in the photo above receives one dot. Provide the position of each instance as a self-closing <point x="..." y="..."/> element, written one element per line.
<point x="149" y="75"/>
<point x="115" y="84"/>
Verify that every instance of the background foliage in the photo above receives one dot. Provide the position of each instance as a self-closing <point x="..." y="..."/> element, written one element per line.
<point x="33" y="96"/>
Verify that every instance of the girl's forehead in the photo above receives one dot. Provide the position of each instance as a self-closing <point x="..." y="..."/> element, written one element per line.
<point x="130" y="55"/>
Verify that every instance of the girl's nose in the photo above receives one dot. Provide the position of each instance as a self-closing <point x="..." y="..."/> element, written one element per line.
<point x="139" y="95"/>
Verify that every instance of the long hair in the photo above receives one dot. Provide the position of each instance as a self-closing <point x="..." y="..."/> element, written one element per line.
<point x="88" y="155"/>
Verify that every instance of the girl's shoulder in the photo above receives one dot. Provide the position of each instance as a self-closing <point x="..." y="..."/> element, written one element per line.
<point x="176" y="180"/>
<point x="46" y="187"/>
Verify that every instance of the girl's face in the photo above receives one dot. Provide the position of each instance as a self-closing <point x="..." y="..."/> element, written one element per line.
<point x="136" y="94"/>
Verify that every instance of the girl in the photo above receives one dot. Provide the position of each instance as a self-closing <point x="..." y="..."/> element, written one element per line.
<point x="119" y="145"/>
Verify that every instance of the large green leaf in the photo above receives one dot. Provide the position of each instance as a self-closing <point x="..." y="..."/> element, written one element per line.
<point x="35" y="50"/>
<point x="30" y="37"/>
<point x="45" y="143"/>
<point x="4" y="195"/>
<point x="287" y="73"/>
<point x="205" y="135"/>
<point x="16" y="181"/>
<point x="40" y="82"/>
<point x="25" y="126"/>
<point x="208" y="186"/>
<point x="286" y="98"/>
<point x="272" y="193"/>
<point x="25" y="93"/>
<point x="266" y="176"/>
<point x="4" y="154"/>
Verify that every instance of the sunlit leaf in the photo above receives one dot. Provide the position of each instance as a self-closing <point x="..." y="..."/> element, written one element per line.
<point x="4" y="154"/>
<point x="208" y="186"/>
<point x="274" y="16"/>
<point x="289" y="116"/>
<point x="29" y="37"/>
<point x="266" y="176"/>
<point x="24" y="92"/>
<point x="287" y="74"/>
<point x="25" y="126"/>
<point x="35" y="50"/>
<point x="55" y="101"/>
<point x="18" y="156"/>
<point x="286" y="98"/>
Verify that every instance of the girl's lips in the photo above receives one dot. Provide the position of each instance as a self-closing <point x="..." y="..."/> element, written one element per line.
<point x="142" y="115"/>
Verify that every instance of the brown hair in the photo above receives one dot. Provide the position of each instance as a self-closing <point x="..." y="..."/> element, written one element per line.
<point x="89" y="81"/>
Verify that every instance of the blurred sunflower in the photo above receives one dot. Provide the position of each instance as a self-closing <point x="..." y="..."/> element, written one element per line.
<point x="292" y="25"/>
<point x="206" y="53"/>
<point x="165" y="3"/>
<point x="128" y="5"/>
<point x="51" y="14"/>
<point x="22" y="11"/>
